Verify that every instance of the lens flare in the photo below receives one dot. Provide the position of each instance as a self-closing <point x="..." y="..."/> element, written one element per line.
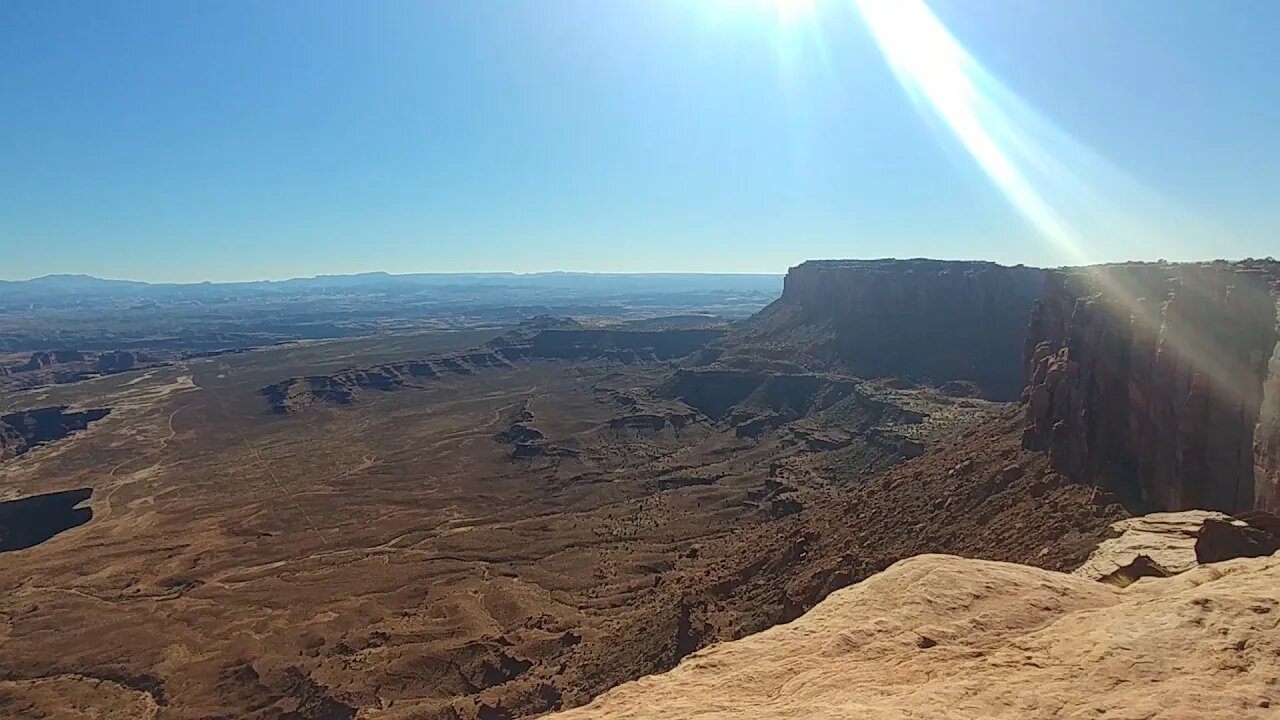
<point x="1071" y="195"/>
<point x="1068" y="192"/>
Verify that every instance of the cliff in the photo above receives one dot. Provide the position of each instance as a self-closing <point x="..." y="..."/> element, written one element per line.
<point x="942" y="636"/>
<point x="926" y="320"/>
<point x="21" y="431"/>
<point x="1160" y="382"/>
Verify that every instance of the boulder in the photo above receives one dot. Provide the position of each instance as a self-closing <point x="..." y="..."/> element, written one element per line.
<point x="1251" y="535"/>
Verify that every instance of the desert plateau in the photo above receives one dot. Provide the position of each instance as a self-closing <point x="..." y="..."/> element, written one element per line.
<point x="639" y="360"/>
<point x="510" y="520"/>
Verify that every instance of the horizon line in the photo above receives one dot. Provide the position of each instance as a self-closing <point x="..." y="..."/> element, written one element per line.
<point x="435" y="273"/>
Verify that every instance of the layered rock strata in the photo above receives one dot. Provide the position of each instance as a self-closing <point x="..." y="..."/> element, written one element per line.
<point x="1160" y="382"/>
<point x="927" y="320"/>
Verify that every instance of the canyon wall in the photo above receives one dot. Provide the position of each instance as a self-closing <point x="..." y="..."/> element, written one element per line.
<point x="921" y="319"/>
<point x="1160" y="382"/>
<point x="21" y="431"/>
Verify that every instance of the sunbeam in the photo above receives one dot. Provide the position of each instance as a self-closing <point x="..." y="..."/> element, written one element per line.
<point x="1072" y="196"/>
<point x="1068" y="192"/>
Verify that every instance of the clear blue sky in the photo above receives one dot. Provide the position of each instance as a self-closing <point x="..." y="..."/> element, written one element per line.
<point x="175" y="140"/>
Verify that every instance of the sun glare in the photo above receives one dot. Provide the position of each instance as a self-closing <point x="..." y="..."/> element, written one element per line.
<point x="1073" y="196"/>
<point x="784" y="10"/>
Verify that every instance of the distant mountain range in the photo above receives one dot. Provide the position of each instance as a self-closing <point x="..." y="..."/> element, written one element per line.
<point x="67" y="284"/>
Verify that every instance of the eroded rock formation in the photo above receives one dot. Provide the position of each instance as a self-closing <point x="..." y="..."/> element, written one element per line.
<point x="116" y="361"/>
<point x="928" y="320"/>
<point x="47" y="358"/>
<point x="540" y="338"/>
<point x="56" y="367"/>
<point x="24" y="430"/>
<point x="1160" y="382"/>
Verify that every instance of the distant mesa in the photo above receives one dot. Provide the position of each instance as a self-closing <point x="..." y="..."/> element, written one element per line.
<point x="52" y="367"/>
<point x="938" y="322"/>
<point x="39" y="360"/>
<point x="114" y="362"/>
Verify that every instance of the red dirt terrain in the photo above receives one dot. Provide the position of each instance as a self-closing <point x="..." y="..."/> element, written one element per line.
<point x="461" y="525"/>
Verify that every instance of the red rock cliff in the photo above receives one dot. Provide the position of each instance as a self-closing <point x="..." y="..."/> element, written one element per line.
<point x="922" y="318"/>
<point x="1160" y="382"/>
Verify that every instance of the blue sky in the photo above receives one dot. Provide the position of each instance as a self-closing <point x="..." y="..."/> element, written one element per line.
<point x="267" y="139"/>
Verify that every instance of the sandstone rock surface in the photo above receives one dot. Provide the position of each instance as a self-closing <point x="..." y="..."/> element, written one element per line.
<point x="1167" y="539"/>
<point x="939" y="636"/>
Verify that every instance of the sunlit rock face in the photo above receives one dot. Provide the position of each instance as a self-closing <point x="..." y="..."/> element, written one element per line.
<point x="1160" y="381"/>
<point x="938" y="636"/>
<point x="926" y="319"/>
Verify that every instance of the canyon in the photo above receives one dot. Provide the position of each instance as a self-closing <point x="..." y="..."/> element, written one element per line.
<point x="505" y="521"/>
<point x="22" y="431"/>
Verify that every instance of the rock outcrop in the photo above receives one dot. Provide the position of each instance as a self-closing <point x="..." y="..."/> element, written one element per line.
<point x="116" y="361"/>
<point x="1160" y="382"/>
<point x="48" y="358"/>
<point x="1167" y="540"/>
<point x="926" y="320"/>
<point x="1252" y="534"/>
<point x="942" y="636"/>
<point x="540" y="338"/>
<point x="24" y="430"/>
<point x="56" y="367"/>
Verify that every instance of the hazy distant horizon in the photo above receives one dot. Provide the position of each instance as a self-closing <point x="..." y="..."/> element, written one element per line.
<point x="462" y="273"/>
<point x="1207" y="257"/>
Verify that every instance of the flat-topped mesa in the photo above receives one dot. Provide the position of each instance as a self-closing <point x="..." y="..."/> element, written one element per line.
<point x="1160" y="382"/>
<point x="932" y="319"/>
<point x="540" y="339"/>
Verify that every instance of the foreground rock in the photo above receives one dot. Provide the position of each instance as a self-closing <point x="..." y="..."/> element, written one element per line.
<point x="1161" y="543"/>
<point x="1253" y="534"/>
<point x="941" y="636"/>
